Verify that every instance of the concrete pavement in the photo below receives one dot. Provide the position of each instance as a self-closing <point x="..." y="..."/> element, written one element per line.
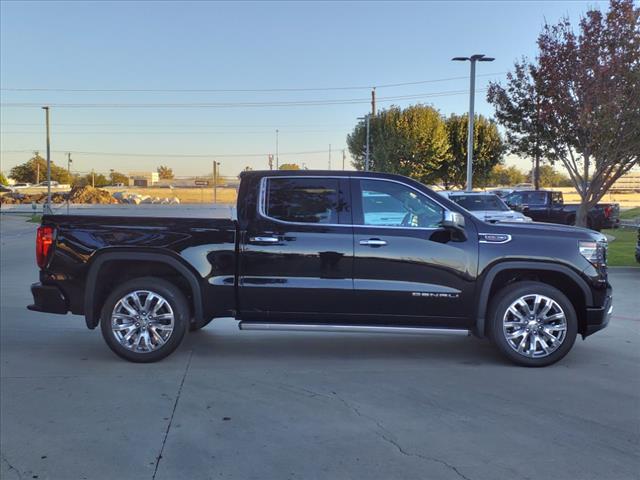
<point x="260" y="405"/>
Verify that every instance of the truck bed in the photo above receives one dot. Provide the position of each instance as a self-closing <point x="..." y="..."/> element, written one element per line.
<point x="91" y="248"/>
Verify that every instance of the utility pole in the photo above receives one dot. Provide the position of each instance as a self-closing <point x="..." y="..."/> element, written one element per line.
<point x="46" y="109"/>
<point x="215" y="181"/>
<point x="343" y="158"/>
<point x="329" y="156"/>
<point x="270" y="161"/>
<point x="277" y="151"/>
<point x="373" y="101"/>
<point x="68" y="177"/>
<point x="472" y="93"/>
<point x="93" y="178"/>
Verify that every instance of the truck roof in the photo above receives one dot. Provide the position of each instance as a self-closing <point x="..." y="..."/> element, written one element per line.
<point x="320" y="173"/>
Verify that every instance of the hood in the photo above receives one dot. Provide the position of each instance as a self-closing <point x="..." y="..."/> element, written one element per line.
<point x="500" y="215"/>
<point x="546" y="229"/>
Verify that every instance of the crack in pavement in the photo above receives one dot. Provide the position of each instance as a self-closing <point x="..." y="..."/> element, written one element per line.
<point x="173" y="412"/>
<point x="11" y="467"/>
<point x="385" y="435"/>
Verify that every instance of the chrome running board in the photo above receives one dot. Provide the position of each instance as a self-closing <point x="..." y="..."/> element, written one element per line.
<point x="332" y="328"/>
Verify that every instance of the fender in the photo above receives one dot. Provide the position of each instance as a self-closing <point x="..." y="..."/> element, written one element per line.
<point x="489" y="276"/>
<point x="92" y="319"/>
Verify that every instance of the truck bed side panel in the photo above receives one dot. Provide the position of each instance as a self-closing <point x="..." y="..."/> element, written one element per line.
<point x="206" y="246"/>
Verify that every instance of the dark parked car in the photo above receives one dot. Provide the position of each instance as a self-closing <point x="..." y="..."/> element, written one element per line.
<point x="327" y="251"/>
<point x="549" y="206"/>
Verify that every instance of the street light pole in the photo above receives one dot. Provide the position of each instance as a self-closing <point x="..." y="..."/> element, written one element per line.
<point x="69" y="177"/>
<point x="277" y="151"/>
<point x="472" y="94"/>
<point x="366" y="157"/>
<point x="367" y="120"/>
<point x="46" y="109"/>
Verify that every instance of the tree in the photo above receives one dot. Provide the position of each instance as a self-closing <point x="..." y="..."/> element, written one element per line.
<point x="3" y="179"/>
<point x="549" y="177"/>
<point x="488" y="149"/>
<point x="117" y="177"/>
<point x="92" y="179"/>
<point x="411" y="141"/>
<point x="35" y="171"/>
<point x="165" y="173"/>
<point x="289" y="166"/>
<point x="518" y="108"/>
<point x="588" y="86"/>
<point x="505" y="176"/>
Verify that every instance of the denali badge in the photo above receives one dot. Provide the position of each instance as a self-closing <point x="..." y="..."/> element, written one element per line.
<point x="435" y="294"/>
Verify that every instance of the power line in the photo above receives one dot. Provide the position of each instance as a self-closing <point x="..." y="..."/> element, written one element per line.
<point x="172" y="155"/>
<point x="239" y="90"/>
<point x="301" y="103"/>
<point x="184" y="125"/>
<point x="228" y="132"/>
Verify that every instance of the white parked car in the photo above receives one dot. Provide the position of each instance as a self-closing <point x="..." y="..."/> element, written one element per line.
<point x="486" y="206"/>
<point x="19" y="186"/>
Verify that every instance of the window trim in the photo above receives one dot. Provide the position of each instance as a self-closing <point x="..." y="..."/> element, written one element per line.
<point x="263" y="197"/>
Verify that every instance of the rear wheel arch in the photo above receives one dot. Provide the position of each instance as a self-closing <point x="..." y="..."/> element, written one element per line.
<point x="138" y="264"/>
<point x="558" y="276"/>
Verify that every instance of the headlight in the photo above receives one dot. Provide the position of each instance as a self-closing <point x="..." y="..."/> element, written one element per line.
<point x="594" y="252"/>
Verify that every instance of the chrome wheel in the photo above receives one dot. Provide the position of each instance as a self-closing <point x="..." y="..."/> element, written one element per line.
<point x="142" y="321"/>
<point x="534" y="326"/>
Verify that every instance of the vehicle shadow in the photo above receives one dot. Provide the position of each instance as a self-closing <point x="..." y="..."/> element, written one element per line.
<point x="228" y="344"/>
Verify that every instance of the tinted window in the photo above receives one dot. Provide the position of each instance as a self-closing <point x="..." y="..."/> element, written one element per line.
<point x="479" y="202"/>
<point x="535" y="198"/>
<point x="396" y="205"/>
<point x="305" y="200"/>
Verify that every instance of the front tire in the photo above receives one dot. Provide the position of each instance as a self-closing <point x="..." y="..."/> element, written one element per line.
<point x="145" y="319"/>
<point x="533" y="324"/>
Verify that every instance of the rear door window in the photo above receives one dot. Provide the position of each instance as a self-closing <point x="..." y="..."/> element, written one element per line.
<point x="303" y="200"/>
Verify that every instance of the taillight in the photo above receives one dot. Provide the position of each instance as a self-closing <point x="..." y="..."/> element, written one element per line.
<point x="44" y="240"/>
<point x="607" y="211"/>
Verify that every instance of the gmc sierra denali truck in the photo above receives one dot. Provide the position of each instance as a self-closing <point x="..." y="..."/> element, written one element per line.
<point x="327" y="251"/>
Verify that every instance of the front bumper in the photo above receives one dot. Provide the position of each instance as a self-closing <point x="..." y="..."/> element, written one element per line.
<point x="48" y="298"/>
<point x="598" y="317"/>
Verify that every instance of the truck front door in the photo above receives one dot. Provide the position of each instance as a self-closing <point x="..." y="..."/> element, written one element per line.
<point x="407" y="268"/>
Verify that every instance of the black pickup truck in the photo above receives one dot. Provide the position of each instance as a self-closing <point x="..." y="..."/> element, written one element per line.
<point x="549" y="206"/>
<point x="330" y="252"/>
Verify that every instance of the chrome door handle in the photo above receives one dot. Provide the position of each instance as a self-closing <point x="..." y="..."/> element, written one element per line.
<point x="373" y="242"/>
<point x="264" y="239"/>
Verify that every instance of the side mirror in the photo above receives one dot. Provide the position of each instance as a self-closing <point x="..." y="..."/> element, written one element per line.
<point x="453" y="220"/>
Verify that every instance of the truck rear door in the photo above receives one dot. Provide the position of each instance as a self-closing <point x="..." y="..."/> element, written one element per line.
<point x="296" y="255"/>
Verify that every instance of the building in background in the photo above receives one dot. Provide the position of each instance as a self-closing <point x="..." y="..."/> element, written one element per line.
<point x="143" y="179"/>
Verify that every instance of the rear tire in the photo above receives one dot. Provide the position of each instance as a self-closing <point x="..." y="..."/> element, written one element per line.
<point x="145" y="319"/>
<point x="533" y="324"/>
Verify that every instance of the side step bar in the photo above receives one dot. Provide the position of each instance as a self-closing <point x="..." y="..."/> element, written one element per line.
<point x="313" y="327"/>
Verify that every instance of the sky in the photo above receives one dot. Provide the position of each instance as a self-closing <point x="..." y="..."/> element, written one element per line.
<point x="257" y="53"/>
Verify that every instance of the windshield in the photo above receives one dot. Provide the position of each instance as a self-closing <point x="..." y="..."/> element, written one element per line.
<point x="479" y="202"/>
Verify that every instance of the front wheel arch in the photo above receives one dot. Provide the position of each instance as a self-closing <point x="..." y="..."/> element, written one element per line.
<point x="563" y="278"/>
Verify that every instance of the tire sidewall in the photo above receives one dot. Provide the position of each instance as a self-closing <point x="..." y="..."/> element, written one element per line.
<point x="506" y="297"/>
<point x="170" y="293"/>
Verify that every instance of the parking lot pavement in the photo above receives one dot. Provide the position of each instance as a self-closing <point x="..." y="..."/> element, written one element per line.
<point x="245" y="405"/>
